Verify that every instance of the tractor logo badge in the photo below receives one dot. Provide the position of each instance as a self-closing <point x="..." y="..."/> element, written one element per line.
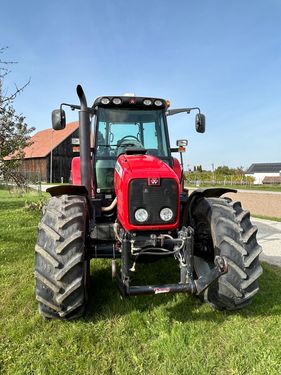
<point x="155" y="181"/>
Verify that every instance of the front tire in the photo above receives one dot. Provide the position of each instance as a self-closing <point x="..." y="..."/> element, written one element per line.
<point x="223" y="228"/>
<point x="61" y="267"/>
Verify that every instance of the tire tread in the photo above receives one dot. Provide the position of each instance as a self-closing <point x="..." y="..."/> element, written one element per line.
<point x="60" y="258"/>
<point x="234" y="238"/>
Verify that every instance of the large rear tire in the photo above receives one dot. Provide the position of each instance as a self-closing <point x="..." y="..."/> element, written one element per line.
<point x="61" y="266"/>
<point x="223" y="228"/>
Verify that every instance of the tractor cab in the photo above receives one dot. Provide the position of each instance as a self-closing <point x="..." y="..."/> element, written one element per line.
<point x="127" y="124"/>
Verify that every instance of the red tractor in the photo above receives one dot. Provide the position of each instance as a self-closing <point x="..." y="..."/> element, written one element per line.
<point x="127" y="200"/>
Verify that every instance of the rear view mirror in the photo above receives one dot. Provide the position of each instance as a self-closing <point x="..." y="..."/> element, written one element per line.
<point x="58" y="119"/>
<point x="200" y="123"/>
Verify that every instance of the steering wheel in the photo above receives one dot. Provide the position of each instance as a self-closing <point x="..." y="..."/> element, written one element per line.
<point x="126" y="142"/>
<point x="127" y="136"/>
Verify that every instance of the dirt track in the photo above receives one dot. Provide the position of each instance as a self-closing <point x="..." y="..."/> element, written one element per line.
<point x="259" y="203"/>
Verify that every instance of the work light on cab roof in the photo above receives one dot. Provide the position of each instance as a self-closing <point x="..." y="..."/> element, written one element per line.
<point x="105" y="101"/>
<point x="116" y="101"/>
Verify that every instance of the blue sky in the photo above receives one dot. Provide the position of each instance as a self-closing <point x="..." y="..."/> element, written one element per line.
<point x="223" y="56"/>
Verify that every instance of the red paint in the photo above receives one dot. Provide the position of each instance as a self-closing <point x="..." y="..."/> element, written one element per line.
<point x="129" y="167"/>
<point x="161" y="290"/>
<point x="75" y="173"/>
<point x="177" y="168"/>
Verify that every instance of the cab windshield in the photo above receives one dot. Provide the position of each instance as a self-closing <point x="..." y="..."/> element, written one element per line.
<point x="119" y="129"/>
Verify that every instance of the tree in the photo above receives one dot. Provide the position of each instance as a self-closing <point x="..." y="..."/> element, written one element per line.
<point x="14" y="132"/>
<point x="224" y="170"/>
<point x="197" y="168"/>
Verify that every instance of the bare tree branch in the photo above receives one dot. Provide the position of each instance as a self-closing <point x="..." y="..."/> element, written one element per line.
<point x="7" y="98"/>
<point x="8" y="62"/>
<point x="18" y="91"/>
<point x="14" y="132"/>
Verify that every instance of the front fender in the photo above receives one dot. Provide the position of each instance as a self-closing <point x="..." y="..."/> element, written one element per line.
<point x="202" y="193"/>
<point x="67" y="189"/>
<point x="211" y="192"/>
<point x="71" y="190"/>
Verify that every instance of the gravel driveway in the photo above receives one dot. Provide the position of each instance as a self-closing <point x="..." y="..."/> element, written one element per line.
<point x="269" y="232"/>
<point x="259" y="202"/>
<point x="269" y="237"/>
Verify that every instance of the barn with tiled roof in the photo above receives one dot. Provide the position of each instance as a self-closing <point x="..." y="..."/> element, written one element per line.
<point x="48" y="149"/>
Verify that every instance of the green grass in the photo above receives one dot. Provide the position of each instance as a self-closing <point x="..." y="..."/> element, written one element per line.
<point x="165" y="334"/>
<point x="268" y="217"/>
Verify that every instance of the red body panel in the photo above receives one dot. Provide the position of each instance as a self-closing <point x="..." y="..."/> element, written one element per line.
<point x="75" y="171"/>
<point x="177" y="168"/>
<point x="76" y="174"/>
<point x="129" y="167"/>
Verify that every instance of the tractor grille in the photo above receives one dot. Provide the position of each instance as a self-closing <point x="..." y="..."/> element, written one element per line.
<point x="153" y="199"/>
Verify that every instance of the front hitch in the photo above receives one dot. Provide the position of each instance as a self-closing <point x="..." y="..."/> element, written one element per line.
<point x="193" y="286"/>
<point x="205" y="281"/>
<point x="184" y="254"/>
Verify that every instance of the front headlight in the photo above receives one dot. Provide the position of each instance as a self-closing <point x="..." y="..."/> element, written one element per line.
<point x="141" y="215"/>
<point x="166" y="214"/>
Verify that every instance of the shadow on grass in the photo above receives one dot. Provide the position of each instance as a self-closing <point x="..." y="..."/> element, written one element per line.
<point x="11" y="204"/>
<point x="106" y="303"/>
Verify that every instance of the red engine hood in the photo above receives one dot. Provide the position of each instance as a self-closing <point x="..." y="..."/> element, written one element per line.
<point x="129" y="167"/>
<point x="141" y="166"/>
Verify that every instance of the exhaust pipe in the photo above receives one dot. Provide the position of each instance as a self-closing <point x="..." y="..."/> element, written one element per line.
<point x="84" y="135"/>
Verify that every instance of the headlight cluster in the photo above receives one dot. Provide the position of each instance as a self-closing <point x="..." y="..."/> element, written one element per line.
<point x="157" y="102"/>
<point x="133" y="100"/>
<point x="141" y="215"/>
<point x="116" y="101"/>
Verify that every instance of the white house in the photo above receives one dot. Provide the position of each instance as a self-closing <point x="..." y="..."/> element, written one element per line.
<point x="261" y="170"/>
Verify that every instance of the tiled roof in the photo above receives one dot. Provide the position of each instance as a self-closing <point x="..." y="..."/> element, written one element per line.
<point x="264" y="168"/>
<point x="47" y="140"/>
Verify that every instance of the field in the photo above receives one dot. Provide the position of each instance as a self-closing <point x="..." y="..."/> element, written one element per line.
<point x="260" y="202"/>
<point x="274" y="188"/>
<point x="170" y="334"/>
